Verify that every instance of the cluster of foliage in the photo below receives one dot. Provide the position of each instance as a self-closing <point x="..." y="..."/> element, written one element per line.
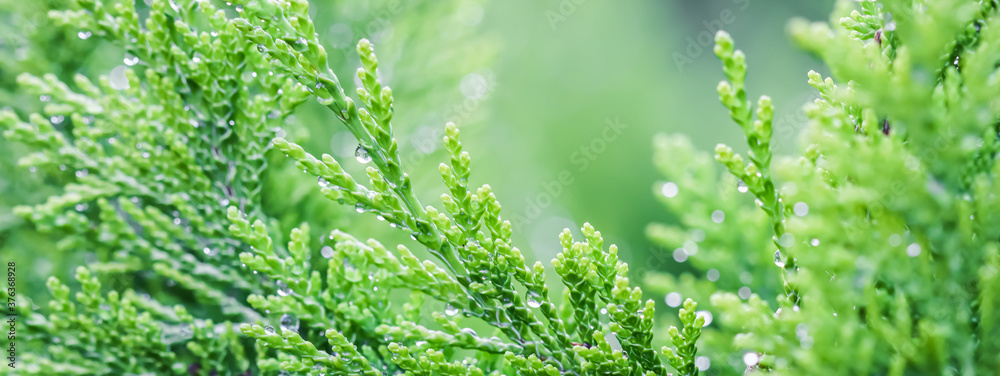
<point x="871" y="253"/>
<point x="874" y="251"/>
<point x="163" y="170"/>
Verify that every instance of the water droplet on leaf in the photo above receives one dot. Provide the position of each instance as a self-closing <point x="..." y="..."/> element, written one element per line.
<point x="778" y="260"/>
<point x="669" y="190"/>
<point x="674" y="299"/>
<point x="289" y="322"/>
<point x="533" y="300"/>
<point x="283" y="289"/>
<point x="361" y="154"/>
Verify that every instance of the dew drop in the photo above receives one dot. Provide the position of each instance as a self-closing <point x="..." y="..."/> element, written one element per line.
<point x="744" y="292"/>
<point x="361" y="154"/>
<point x="239" y="8"/>
<point x="269" y="329"/>
<point x="718" y="216"/>
<point x="533" y="300"/>
<point x="669" y="190"/>
<point x="913" y="250"/>
<point x="778" y="260"/>
<point x="713" y="275"/>
<point x="450" y="310"/>
<point x="326" y="252"/>
<point x="680" y="255"/>
<point x="742" y="187"/>
<point x="130" y="60"/>
<point x="283" y="289"/>
<point x="673" y="299"/>
<point x="801" y="209"/>
<point x="289" y="322"/>
<point x="703" y="363"/>
<point x="895" y="240"/>
<point x="82" y="173"/>
<point x="751" y="359"/>
<point x="322" y="182"/>
<point x="45" y="97"/>
<point x="57" y="119"/>
<point x="84" y="34"/>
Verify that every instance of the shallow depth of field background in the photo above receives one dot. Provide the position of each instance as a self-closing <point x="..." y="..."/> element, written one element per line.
<point x="534" y="108"/>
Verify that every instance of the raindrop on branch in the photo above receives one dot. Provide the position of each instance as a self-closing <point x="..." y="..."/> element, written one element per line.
<point x="742" y="187"/>
<point x="713" y="275"/>
<point x="718" y="216"/>
<point x="674" y="299"/>
<point x="913" y="250"/>
<point x="744" y="292"/>
<point x="283" y="289"/>
<point x="669" y="190"/>
<point x="361" y="154"/>
<point x="533" y="300"/>
<point x="703" y="363"/>
<point x="289" y="322"/>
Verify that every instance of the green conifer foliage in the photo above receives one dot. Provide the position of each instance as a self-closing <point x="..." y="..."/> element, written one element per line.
<point x="871" y="252"/>
<point x="162" y="177"/>
<point x="884" y="248"/>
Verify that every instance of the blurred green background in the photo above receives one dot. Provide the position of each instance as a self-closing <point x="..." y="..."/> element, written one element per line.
<point x="648" y="64"/>
<point x="558" y="102"/>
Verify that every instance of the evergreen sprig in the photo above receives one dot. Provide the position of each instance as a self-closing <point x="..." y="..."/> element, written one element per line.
<point x="882" y="218"/>
<point x="160" y="158"/>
